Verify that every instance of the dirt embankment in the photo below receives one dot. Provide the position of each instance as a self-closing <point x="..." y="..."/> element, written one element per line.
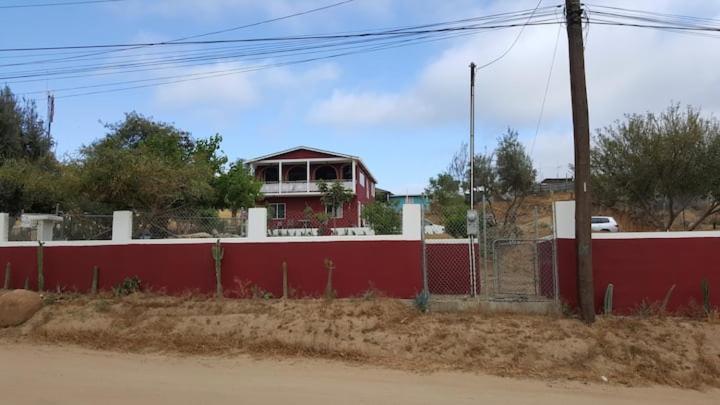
<point x="631" y="351"/>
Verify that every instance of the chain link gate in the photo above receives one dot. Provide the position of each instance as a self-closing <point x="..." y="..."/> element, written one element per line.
<point x="493" y="267"/>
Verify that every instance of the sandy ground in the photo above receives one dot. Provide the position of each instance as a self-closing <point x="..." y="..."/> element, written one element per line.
<point x="68" y="375"/>
<point x="377" y="332"/>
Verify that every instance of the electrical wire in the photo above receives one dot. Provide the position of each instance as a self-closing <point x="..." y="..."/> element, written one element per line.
<point x="59" y="4"/>
<point x="547" y="90"/>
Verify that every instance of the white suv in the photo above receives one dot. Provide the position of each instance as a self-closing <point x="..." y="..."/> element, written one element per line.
<point x="604" y="224"/>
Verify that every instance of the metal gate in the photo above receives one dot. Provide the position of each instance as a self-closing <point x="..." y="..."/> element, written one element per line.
<point x="491" y="266"/>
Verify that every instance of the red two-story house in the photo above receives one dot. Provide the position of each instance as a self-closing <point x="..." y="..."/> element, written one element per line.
<point x="290" y="185"/>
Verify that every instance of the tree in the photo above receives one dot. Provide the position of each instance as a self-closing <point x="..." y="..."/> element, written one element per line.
<point x="382" y="217"/>
<point x="334" y="195"/>
<point x="515" y="173"/>
<point x="142" y="164"/>
<point x="29" y="173"/>
<point x="237" y="188"/>
<point x="444" y="191"/>
<point x="22" y="132"/>
<point x="655" y="166"/>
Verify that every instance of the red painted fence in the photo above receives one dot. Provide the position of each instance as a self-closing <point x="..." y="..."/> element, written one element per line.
<point x="644" y="269"/>
<point x="392" y="267"/>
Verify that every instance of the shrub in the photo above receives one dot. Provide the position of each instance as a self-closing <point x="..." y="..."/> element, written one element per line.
<point x="128" y="286"/>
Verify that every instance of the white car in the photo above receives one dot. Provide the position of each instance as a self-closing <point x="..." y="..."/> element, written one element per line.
<point x="604" y="224"/>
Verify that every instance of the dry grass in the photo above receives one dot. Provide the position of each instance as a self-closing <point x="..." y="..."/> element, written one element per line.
<point x="632" y="351"/>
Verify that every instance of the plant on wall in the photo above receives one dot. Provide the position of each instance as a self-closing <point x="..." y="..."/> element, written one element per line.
<point x="218" y="252"/>
<point x="41" y="274"/>
<point x="334" y="195"/>
<point x="329" y="291"/>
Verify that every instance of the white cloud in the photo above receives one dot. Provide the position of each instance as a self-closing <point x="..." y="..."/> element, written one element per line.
<point x="628" y="70"/>
<point x="222" y="91"/>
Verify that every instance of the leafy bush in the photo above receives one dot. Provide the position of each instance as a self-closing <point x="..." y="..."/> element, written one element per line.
<point x="382" y="218"/>
<point x="128" y="286"/>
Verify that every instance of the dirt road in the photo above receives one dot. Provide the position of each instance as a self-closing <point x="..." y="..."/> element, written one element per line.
<point x="63" y="375"/>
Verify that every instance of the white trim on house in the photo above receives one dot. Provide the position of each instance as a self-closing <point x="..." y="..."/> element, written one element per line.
<point x="265" y="159"/>
<point x="327" y="152"/>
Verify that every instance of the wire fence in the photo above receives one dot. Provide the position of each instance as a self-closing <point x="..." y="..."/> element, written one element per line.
<point x="171" y="225"/>
<point x="75" y="226"/>
<point x="513" y="254"/>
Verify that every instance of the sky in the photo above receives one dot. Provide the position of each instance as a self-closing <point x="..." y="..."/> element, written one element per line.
<point x="404" y="111"/>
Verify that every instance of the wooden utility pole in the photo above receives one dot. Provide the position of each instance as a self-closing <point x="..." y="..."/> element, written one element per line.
<point x="581" y="134"/>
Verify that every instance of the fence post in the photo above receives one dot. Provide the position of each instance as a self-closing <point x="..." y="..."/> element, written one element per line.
<point x="4" y="226"/>
<point x="257" y="224"/>
<point x="412" y="221"/>
<point x="122" y="226"/>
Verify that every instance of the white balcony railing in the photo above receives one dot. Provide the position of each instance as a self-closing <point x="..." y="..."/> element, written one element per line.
<point x="297" y="187"/>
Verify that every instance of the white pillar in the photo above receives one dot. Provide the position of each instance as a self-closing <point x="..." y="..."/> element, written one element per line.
<point x="257" y="224"/>
<point x="412" y="221"/>
<point x="280" y="178"/>
<point x="307" y="176"/>
<point x="4" y="226"/>
<point x="45" y="230"/>
<point x="122" y="226"/>
<point x="354" y="168"/>
<point x="564" y="214"/>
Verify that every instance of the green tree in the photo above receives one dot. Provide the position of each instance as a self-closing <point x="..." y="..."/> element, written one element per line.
<point x="515" y="173"/>
<point x="334" y="195"/>
<point x="444" y="191"/>
<point x="22" y="132"/>
<point x="656" y="165"/>
<point x="142" y="164"/>
<point x="29" y="173"/>
<point x="382" y="218"/>
<point x="237" y="188"/>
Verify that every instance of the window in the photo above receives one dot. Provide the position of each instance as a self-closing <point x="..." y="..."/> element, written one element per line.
<point x="335" y="211"/>
<point x="600" y="220"/>
<point x="276" y="210"/>
<point x="347" y="172"/>
<point x="362" y="178"/>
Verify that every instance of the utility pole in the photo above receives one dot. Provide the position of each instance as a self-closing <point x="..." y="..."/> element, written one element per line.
<point x="581" y="134"/>
<point x="473" y="262"/>
<point x="472" y="135"/>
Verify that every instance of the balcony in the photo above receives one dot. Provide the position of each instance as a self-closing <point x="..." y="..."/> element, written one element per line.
<point x="299" y="187"/>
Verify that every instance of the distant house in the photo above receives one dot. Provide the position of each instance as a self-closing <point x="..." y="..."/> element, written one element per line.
<point x="399" y="200"/>
<point x="557" y="184"/>
<point x="290" y="184"/>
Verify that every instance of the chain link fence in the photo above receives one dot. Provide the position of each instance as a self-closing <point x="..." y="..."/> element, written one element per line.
<point x="513" y="255"/>
<point x="68" y="226"/>
<point x="188" y="224"/>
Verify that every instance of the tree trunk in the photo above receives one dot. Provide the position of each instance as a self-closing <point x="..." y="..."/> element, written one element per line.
<point x="714" y="209"/>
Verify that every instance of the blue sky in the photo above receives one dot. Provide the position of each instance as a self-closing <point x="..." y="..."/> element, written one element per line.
<point x="404" y="111"/>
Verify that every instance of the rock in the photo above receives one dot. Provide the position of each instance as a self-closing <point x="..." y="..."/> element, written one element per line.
<point x="18" y="306"/>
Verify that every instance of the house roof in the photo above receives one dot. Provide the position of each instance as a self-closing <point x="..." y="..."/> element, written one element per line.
<point x="316" y="150"/>
<point x="282" y="152"/>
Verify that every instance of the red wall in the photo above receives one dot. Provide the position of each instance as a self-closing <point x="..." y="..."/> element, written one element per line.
<point x="295" y="211"/>
<point x="393" y="267"/>
<point x="644" y="269"/>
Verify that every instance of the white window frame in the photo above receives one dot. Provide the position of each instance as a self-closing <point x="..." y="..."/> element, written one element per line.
<point x="334" y="211"/>
<point x="272" y="207"/>
<point x="362" y="178"/>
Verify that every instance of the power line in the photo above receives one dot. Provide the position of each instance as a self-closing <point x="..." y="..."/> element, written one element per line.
<point x="259" y="39"/>
<point x="59" y="4"/>
<point x="547" y="90"/>
<point x="517" y="37"/>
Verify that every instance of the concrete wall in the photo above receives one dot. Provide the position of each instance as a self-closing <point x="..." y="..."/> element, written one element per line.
<point x="642" y="266"/>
